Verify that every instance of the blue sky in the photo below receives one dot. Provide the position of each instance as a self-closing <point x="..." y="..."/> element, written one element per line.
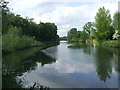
<point x="66" y="14"/>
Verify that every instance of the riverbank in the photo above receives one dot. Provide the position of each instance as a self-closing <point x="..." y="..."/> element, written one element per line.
<point x="110" y="43"/>
<point x="41" y="45"/>
<point x="40" y="64"/>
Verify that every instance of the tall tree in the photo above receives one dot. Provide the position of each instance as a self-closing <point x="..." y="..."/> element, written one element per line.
<point x="116" y="21"/>
<point x="5" y="10"/>
<point x="103" y="24"/>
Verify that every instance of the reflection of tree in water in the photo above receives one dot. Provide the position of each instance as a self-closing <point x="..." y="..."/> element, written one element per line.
<point x="103" y="63"/>
<point x="116" y="57"/>
<point x="86" y="48"/>
<point x="27" y="60"/>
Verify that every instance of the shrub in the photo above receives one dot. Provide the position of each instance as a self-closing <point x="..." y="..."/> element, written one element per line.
<point x="13" y="40"/>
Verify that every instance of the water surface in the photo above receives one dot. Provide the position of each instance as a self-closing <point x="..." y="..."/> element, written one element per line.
<point x="68" y="65"/>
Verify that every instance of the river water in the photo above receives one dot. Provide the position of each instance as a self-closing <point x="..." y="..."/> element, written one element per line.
<point x="68" y="65"/>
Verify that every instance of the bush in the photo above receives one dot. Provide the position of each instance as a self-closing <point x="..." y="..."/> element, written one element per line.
<point x="13" y="40"/>
<point x="111" y="43"/>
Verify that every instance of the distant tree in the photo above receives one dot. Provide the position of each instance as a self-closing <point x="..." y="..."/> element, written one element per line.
<point x="84" y="36"/>
<point x="63" y="38"/>
<point x="103" y="24"/>
<point x="78" y="34"/>
<point x="88" y="27"/>
<point x="72" y="34"/>
<point x="47" y="32"/>
<point x="93" y="32"/>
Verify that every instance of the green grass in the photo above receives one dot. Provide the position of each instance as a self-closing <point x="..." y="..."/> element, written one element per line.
<point x="111" y="43"/>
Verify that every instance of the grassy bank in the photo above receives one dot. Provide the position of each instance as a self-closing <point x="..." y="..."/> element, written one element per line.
<point x="111" y="43"/>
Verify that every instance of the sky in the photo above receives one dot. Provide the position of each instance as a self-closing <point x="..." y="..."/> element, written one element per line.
<point x="66" y="14"/>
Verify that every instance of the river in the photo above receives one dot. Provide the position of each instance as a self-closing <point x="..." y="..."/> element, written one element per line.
<point x="68" y="65"/>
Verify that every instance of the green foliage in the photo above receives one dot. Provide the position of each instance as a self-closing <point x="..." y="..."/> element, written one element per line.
<point x="41" y="31"/>
<point x="111" y="43"/>
<point x="93" y="33"/>
<point x="13" y="40"/>
<point x="8" y="78"/>
<point x="103" y="24"/>
<point x="5" y="11"/>
<point x="73" y="35"/>
<point x="84" y="36"/>
<point x="88" y="27"/>
<point x="78" y="34"/>
<point x="116" y="21"/>
<point x="47" y="32"/>
<point x="102" y="29"/>
<point x="19" y="32"/>
<point x="63" y="38"/>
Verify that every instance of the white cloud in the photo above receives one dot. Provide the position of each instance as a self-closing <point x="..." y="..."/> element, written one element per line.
<point x="65" y="15"/>
<point x="113" y="7"/>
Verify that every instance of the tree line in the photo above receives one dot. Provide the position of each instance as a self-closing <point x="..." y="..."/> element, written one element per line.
<point x="19" y="32"/>
<point x="103" y="29"/>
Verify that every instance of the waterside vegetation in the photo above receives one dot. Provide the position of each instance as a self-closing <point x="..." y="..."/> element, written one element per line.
<point x="104" y="31"/>
<point x="20" y="33"/>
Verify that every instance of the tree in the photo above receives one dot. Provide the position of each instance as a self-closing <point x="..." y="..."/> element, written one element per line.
<point x="41" y="31"/>
<point x="84" y="36"/>
<point x="47" y="32"/>
<point x="116" y="21"/>
<point x="78" y="34"/>
<point x="103" y="24"/>
<point x="116" y="25"/>
<point x="5" y="11"/>
<point x="72" y="34"/>
<point x="28" y="30"/>
<point x="63" y="38"/>
<point x="88" y="27"/>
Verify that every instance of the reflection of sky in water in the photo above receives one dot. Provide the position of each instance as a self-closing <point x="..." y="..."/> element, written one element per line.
<point x="68" y="80"/>
<point x="73" y="69"/>
<point x="69" y="60"/>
